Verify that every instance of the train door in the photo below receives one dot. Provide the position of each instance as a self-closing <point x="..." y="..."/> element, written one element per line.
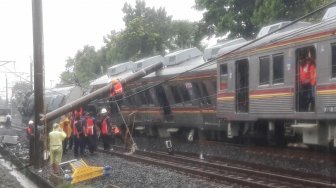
<point x="242" y="86"/>
<point x="163" y="101"/>
<point x="305" y="79"/>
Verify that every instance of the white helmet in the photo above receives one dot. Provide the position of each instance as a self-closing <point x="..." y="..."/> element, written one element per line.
<point x="30" y="122"/>
<point x="103" y="110"/>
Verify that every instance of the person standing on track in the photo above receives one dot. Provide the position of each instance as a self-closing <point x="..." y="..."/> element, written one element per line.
<point x="30" y="137"/>
<point x="56" y="138"/>
<point x="105" y="129"/>
<point x="66" y="127"/>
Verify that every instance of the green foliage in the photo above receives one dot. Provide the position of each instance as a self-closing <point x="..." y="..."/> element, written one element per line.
<point x="84" y="67"/>
<point x="244" y="18"/>
<point x="148" y="32"/>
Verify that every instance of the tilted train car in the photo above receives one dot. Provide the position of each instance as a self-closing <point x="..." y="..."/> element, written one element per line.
<point x="54" y="98"/>
<point x="259" y="90"/>
<point x="180" y="106"/>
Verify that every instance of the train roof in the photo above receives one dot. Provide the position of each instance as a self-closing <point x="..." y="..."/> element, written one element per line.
<point x="183" y="60"/>
<point x="143" y="63"/>
<point x="181" y="56"/>
<point x="211" y="51"/>
<point x="286" y="35"/>
<point x="119" y="68"/>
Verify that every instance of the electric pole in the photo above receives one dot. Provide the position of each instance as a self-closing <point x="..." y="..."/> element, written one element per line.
<point x="6" y="91"/>
<point x="38" y="77"/>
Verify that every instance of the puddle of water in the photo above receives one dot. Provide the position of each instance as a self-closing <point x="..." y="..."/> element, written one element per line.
<point x="25" y="182"/>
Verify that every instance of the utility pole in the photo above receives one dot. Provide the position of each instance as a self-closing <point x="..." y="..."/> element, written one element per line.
<point x="38" y="77"/>
<point x="6" y="91"/>
<point x="31" y="74"/>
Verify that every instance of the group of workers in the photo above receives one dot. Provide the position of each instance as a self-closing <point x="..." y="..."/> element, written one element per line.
<point x="78" y="130"/>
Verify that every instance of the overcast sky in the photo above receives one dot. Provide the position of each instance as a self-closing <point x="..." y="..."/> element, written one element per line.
<point x="68" y="26"/>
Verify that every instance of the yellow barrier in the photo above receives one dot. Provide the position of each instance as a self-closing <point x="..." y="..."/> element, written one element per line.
<point x="83" y="172"/>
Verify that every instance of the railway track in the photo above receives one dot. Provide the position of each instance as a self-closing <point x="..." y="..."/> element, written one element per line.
<point x="230" y="174"/>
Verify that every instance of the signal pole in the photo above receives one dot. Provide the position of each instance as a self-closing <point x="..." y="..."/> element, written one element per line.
<point x="38" y="77"/>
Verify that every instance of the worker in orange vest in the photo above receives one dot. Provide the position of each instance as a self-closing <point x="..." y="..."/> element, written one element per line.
<point x="117" y="88"/>
<point x="105" y="129"/>
<point x="65" y="125"/>
<point x="90" y="132"/>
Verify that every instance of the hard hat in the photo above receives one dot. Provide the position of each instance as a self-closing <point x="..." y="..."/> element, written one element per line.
<point x="30" y="122"/>
<point x="103" y="110"/>
<point x="56" y="126"/>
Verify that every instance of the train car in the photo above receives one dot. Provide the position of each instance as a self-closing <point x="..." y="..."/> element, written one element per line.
<point x="261" y="92"/>
<point x="54" y="98"/>
<point x="182" y="106"/>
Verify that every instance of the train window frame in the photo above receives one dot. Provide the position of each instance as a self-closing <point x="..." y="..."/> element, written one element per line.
<point x="268" y="70"/>
<point x="176" y="95"/>
<point x="223" y="69"/>
<point x="184" y="93"/>
<point x="273" y="69"/>
<point x="333" y="61"/>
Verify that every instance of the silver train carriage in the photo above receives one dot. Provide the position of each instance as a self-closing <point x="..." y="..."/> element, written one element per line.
<point x="259" y="90"/>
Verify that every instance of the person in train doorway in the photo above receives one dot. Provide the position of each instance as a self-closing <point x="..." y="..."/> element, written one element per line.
<point x="56" y="138"/>
<point x="31" y="139"/>
<point x="307" y="83"/>
<point x="90" y="132"/>
<point x="79" y="134"/>
<point x="105" y="129"/>
<point x="66" y="127"/>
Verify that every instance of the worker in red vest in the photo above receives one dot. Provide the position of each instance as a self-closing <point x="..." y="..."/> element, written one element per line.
<point x="31" y="139"/>
<point x="105" y="129"/>
<point x="90" y="132"/>
<point x="307" y="83"/>
<point x="79" y="133"/>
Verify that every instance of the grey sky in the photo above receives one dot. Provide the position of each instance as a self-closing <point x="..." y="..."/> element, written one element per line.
<point x="68" y="26"/>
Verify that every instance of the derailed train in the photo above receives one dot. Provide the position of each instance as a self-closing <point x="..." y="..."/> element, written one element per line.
<point x="250" y="94"/>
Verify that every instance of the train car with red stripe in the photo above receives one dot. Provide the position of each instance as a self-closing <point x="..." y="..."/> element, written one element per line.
<point x="262" y="92"/>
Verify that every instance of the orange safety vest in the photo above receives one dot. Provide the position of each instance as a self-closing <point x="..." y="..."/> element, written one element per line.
<point x="29" y="130"/>
<point x="116" y="89"/>
<point x="74" y="128"/>
<point x="104" y="127"/>
<point x="89" y="126"/>
<point x="115" y="130"/>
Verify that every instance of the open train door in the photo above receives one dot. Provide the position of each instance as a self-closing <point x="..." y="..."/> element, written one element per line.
<point x="305" y="79"/>
<point x="242" y="86"/>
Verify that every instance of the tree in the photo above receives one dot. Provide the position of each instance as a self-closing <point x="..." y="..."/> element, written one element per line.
<point x="83" y="67"/>
<point x="244" y="18"/>
<point x="147" y="30"/>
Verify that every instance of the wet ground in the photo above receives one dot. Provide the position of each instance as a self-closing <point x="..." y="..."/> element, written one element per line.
<point x="9" y="175"/>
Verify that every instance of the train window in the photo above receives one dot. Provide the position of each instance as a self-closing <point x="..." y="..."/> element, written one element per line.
<point x="148" y="95"/>
<point x="176" y="94"/>
<point x="143" y="98"/>
<point x="184" y="92"/>
<point x="278" y="69"/>
<point x="223" y="69"/>
<point x="264" y="70"/>
<point x="197" y="90"/>
<point x="205" y="93"/>
<point x="333" y="60"/>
